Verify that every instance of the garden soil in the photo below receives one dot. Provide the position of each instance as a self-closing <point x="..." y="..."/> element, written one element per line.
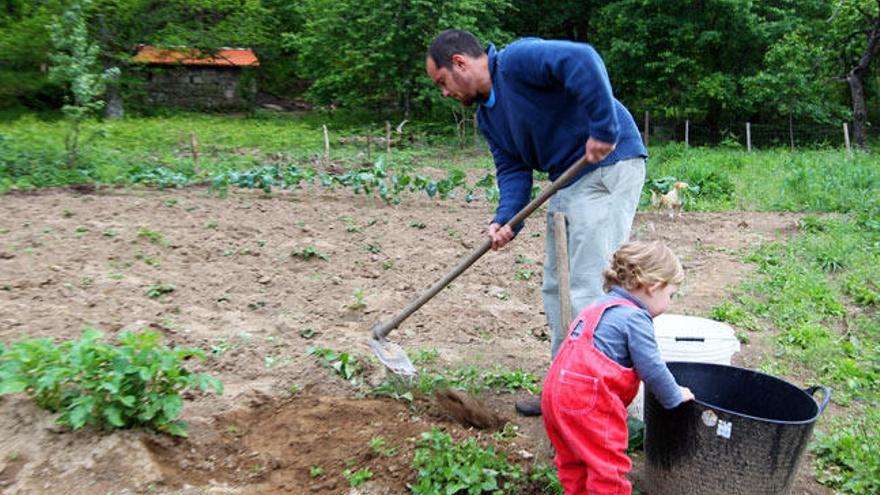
<point x="71" y="259"/>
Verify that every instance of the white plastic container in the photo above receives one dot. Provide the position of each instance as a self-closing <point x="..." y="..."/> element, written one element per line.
<point x="692" y="339"/>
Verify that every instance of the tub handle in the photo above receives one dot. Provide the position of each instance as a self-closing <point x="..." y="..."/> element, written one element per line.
<point x="826" y="395"/>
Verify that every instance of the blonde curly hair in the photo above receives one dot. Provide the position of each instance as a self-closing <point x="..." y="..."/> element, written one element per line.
<point x="641" y="264"/>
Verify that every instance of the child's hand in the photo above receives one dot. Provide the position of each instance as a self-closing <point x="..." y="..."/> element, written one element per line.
<point x="686" y="394"/>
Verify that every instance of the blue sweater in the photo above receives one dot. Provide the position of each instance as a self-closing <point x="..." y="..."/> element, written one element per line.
<point x="626" y="335"/>
<point x="547" y="98"/>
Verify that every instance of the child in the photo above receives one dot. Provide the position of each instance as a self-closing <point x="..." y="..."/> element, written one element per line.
<point x="596" y="373"/>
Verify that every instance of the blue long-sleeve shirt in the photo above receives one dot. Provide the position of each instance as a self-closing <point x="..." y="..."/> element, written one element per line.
<point x="626" y="335"/>
<point x="548" y="98"/>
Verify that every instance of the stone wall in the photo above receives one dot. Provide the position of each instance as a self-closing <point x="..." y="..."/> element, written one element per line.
<point x="198" y="87"/>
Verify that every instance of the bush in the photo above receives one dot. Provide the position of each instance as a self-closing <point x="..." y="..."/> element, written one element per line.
<point x="136" y="383"/>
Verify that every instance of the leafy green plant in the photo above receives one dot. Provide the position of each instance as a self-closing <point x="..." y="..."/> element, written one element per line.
<point x="308" y="253"/>
<point x="316" y="471"/>
<point x="445" y="466"/>
<point x="344" y="364"/>
<point x="524" y="274"/>
<point x="847" y="457"/>
<point x="153" y="236"/>
<point x="135" y="383"/>
<point x="373" y="247"/>
<point x="358" y="303"/>
<point x="357" y="478"/>
<point x="378" y="445"/>
<point x="158" y="290"/>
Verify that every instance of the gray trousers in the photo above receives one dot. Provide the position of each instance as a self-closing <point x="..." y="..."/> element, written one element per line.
<point x="599" y="208"/>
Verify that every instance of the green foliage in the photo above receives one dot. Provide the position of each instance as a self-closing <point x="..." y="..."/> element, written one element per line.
<point x="309" y="252"/>
<point x="357" y="478"/>
<point x="445" y="466"/>
<point x="158" y="290"/>
<point x="821" y="339"/>
<point x="357" y="303"/>
<point x="344" y="364"/>
<point x="75" y="66"/>
<point x="153" y="236"/>
<point x="846" y="457"/>
<point x="135" y="383"/>
<point x="378" y="61"/>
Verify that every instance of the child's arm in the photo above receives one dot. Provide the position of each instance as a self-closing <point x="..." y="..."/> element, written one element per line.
<point x="650" y="366"/>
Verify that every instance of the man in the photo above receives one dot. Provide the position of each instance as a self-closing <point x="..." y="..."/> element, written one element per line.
<point x="542" y="106"/>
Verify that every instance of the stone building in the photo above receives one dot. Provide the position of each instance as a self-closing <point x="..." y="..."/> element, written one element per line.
<point x="190" y="78"/>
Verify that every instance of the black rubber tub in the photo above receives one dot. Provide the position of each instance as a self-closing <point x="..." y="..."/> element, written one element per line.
<point x="745" y="433"/>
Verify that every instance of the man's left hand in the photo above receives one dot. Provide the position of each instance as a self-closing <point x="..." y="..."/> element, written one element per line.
<point x="597" y="150"/>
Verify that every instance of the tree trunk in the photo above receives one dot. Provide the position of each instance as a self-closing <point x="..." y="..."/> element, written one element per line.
<point x="114" y="108"/>
<point x="860" y="111"/>
<point x="856" y="79"/>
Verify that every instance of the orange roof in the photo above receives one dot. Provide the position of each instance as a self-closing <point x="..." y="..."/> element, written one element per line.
<point x="238" y="57"/>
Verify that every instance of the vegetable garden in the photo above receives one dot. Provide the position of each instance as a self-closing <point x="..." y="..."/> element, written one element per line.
<point x="179" y="327"/>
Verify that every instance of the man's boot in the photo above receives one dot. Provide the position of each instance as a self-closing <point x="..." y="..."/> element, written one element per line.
<point x="530" y="406"/>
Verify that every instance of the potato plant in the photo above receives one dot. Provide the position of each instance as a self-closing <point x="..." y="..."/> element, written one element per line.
<point x="135" y="383"/>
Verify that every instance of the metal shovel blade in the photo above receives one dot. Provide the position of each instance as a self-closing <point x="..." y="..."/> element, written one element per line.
<point x="393" y="357"/>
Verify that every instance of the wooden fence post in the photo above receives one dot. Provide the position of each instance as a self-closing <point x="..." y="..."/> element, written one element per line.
<point x="687" y="125"/>
<point x="562" y="273"/>
<point x="647" y="127"/>
<point x="194" y="148"/>
<point x="326" y="144"/>
<point x="387" y="136"/>
<point x="748" y="136"/>
<point x="475" y="130"/>
<point x="846" y="139"/>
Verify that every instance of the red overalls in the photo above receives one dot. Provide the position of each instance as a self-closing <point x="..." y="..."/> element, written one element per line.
<point x="584" y="408"/>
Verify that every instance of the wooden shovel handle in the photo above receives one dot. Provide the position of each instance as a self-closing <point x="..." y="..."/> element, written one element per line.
<point x="382" y="329"/>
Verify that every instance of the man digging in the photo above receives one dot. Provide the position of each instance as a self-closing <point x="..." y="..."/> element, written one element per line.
<point x="542" y="106"/>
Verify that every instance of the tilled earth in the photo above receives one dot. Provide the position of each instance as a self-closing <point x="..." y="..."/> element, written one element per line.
<point x="73" y="259"/>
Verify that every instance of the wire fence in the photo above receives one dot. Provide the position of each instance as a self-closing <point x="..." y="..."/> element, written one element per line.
<point x="751" y="136"/>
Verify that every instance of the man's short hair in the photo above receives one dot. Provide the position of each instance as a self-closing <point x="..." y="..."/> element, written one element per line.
<point x="450" y="42"/>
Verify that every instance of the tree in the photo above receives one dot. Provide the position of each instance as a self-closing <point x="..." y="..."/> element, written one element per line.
<point x="856" y="37"/>
<point x="788" y="84"/>
<point x="75" y="66"/>
<point x="681" y="58"/>
<point x="371" y="53"/>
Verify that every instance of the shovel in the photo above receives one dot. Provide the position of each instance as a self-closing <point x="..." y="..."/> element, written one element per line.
<point x="391" y="354"/>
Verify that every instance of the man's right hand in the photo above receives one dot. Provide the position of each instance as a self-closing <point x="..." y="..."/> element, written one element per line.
<point x="500" y="235"/>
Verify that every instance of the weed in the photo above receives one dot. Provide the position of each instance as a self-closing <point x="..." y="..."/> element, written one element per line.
<point x="345" y="365"/>
<point x="154" y="236"/>
<point x="847" y="457"/>
<point x="524" y="274"/>
<point x="373" y="248"/>
<point x="447" y="467"/>
<point x="523" y="260"/>
<point x="109" y="233"/>
<point x="418" y="225"/>
<point x="378" y="445"/>
<point x="159" y="290"/>
<point x="358" y="303"/>
<point x="308" y="253"/>
<point x="308" y="333"/>
<point x="81" y="231"/>
<point x="316" y="471"/>
<point x="212" y="224"/>
<point x="67" y="213"/>
<point x="358" y="477"/>
<point x="388" y="264"/>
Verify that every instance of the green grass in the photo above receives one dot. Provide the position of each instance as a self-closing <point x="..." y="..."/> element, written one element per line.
<point x="769" y="180"/>
<point x="819" y="295"/>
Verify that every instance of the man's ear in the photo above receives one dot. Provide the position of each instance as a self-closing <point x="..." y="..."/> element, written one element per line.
<point x="459" y="60"/>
